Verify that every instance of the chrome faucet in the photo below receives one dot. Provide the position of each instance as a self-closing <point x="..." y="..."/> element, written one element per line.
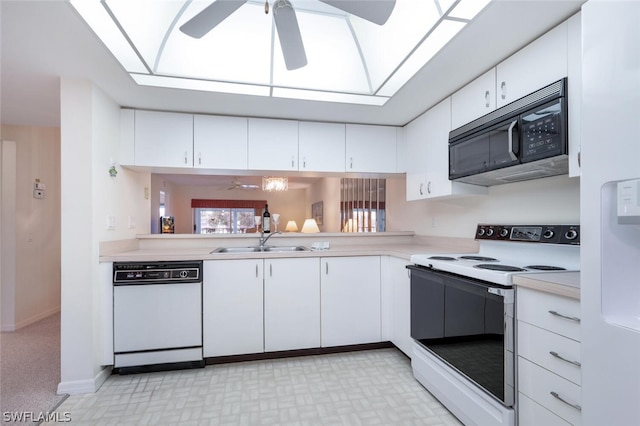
<point x="264" y="240"/>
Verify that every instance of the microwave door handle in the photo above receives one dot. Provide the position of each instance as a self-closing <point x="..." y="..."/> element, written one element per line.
<point x="510" y="132"/>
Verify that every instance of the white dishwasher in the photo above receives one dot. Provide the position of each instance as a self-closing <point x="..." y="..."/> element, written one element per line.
<point x="157" y="315"/>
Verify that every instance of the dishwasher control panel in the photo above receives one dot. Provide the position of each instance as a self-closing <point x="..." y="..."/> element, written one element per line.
<point x="156" y="272"/>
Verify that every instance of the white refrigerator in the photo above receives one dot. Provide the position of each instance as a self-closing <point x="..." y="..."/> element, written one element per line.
<point x="610" y="213"/>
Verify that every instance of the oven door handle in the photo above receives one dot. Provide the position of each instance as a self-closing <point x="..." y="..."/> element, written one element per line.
<point x="505" y="293"/>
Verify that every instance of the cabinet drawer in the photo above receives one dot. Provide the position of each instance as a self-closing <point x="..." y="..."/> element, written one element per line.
<point x="551" y="312"/>
<point x="539" y="346"/>
<point x="530" y="413"/>
<point x="538" y="384"/>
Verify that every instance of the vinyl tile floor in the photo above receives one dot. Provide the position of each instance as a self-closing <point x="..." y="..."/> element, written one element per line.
<point x="374" y="387"/>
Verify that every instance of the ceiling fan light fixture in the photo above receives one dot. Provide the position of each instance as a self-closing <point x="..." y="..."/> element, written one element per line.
<point x="275" y="184"/>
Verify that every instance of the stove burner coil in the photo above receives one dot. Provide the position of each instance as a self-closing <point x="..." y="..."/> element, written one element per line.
<point x="442" y="258"/>
<point x="479" y="258"/>
<point x="545" y="268"/>
<point x="502" y="268"/>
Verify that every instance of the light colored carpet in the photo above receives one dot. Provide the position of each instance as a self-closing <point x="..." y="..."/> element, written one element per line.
<point x="30" y="369"/>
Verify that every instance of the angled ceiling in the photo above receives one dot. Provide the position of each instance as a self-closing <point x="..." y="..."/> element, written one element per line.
<point x="44" y="40"/>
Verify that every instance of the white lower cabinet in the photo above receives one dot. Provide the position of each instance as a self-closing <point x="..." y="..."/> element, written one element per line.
<point x="396" y="303"/>
<point x="291" y="304"/>
<point x="549" y="383"/>
<point x="350" y="300"/>
<point x="232" y="307"/>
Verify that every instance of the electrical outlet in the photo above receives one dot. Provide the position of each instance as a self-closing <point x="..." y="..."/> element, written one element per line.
<point x="111" y="223"/>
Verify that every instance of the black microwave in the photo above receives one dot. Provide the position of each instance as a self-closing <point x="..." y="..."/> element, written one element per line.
<point x="523" y="140"/>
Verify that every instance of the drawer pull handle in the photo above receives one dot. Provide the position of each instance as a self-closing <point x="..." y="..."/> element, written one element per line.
<point x="555" y="395"/>
<point x="555" y="354"/>
<point x="564" y="316"/>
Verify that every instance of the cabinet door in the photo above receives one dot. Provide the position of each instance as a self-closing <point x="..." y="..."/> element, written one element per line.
<point x="401" y="306"/>
<point x="370" y="149"/>
<point x="232" y="307"/>
<point x="291" y="304"/>
<point x="220" y="142"/>
<point x="539" y="64"/>
<point x="574" y="91"/>
<point x="321" y="146"/>
<point x="350" y="300"/>
<point x="273" y="144"/>
<point x="474" y="100"/>
<point x="417" y="157"/>
<point x="437" y="183"/>
<point x="163" y="139"/>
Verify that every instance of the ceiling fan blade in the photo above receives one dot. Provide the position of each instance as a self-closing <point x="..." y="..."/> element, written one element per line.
<point x="376" y="11"/>
<point x="289" y="35"/>
<point x="210" y="16"/>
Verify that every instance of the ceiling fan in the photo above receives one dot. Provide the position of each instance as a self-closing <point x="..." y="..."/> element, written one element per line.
<point x="376" y="11"/>
<point x="236" y="184"/>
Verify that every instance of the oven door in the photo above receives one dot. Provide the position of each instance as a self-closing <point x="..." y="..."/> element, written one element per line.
<point x="468" y="324"/>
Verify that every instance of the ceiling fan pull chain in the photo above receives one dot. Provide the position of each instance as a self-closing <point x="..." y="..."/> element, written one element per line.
<point x="266" y="7"/>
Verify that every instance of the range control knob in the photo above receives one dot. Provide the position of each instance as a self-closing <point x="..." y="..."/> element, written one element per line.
<point x="489" y="232"/>
<point x="548" y="234"/>
<point x="571" y="234"/>
<point x="480" y="232"/>
<point x="504" y="232"/>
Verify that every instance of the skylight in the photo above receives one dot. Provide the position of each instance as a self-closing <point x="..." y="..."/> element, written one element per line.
<point x="350" y="60"/>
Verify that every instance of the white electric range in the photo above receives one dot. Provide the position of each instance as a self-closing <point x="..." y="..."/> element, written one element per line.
<point x="462" y="315"/>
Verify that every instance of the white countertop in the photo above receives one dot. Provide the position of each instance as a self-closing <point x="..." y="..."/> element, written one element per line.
<point x="561" y="283"/>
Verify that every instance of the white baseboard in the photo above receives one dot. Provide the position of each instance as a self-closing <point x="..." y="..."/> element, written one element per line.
<point x="77" y="387"/>
<point x="31" y="320"/>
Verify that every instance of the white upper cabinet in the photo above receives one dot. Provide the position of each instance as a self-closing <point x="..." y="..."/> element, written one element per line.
<point x="219" y="142"/>
<point x="428" y="157"/>
<point x="574" y="94"/>
<point x="321" y="146"/>
<point x="371" y="149"/>
<point x="474" y="100"/>
<point x="163" y="139"/>
<point x="273" y="144"/>
<point x="539" y="64"/>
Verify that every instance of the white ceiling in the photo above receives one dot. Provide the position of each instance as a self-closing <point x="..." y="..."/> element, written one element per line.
<point x="43" y="40"/>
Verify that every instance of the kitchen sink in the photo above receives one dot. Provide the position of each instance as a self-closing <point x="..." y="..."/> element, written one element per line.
<point x="286" y="248"/>
<point x="236" y="250"/>
<point x="257" y="249"/>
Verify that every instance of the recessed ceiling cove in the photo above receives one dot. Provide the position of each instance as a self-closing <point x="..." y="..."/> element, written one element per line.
<point x="349" y="51"/>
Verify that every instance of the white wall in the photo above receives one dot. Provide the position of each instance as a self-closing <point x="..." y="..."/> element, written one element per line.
<point x="35" y="226"/>
<point x="89" y="140"/>
<point x="550" y="200"/>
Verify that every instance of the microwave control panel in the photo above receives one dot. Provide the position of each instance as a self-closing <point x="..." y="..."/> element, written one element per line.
<point x="541" y="131"/>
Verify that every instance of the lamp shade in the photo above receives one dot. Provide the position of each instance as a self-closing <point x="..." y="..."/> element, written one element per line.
<point x="292" y="226"/>
<point x="310" y="226"/>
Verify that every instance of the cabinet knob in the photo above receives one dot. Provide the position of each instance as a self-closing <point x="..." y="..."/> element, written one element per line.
<point x="486" y="99"/>
<point x="351" y="162"/>
<point x="199" y="158"/>
<point x="503" y="90"/>
<point x="429" y="187"/>
<point x="421" y="188"/>
<point x="185" y="157"/>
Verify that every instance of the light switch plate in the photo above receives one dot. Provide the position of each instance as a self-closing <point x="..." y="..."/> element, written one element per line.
<point x="111" y="223"/>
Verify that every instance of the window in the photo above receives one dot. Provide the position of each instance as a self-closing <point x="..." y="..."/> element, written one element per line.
<point x="362" y="205"/>
<point x="225" y="216"/>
